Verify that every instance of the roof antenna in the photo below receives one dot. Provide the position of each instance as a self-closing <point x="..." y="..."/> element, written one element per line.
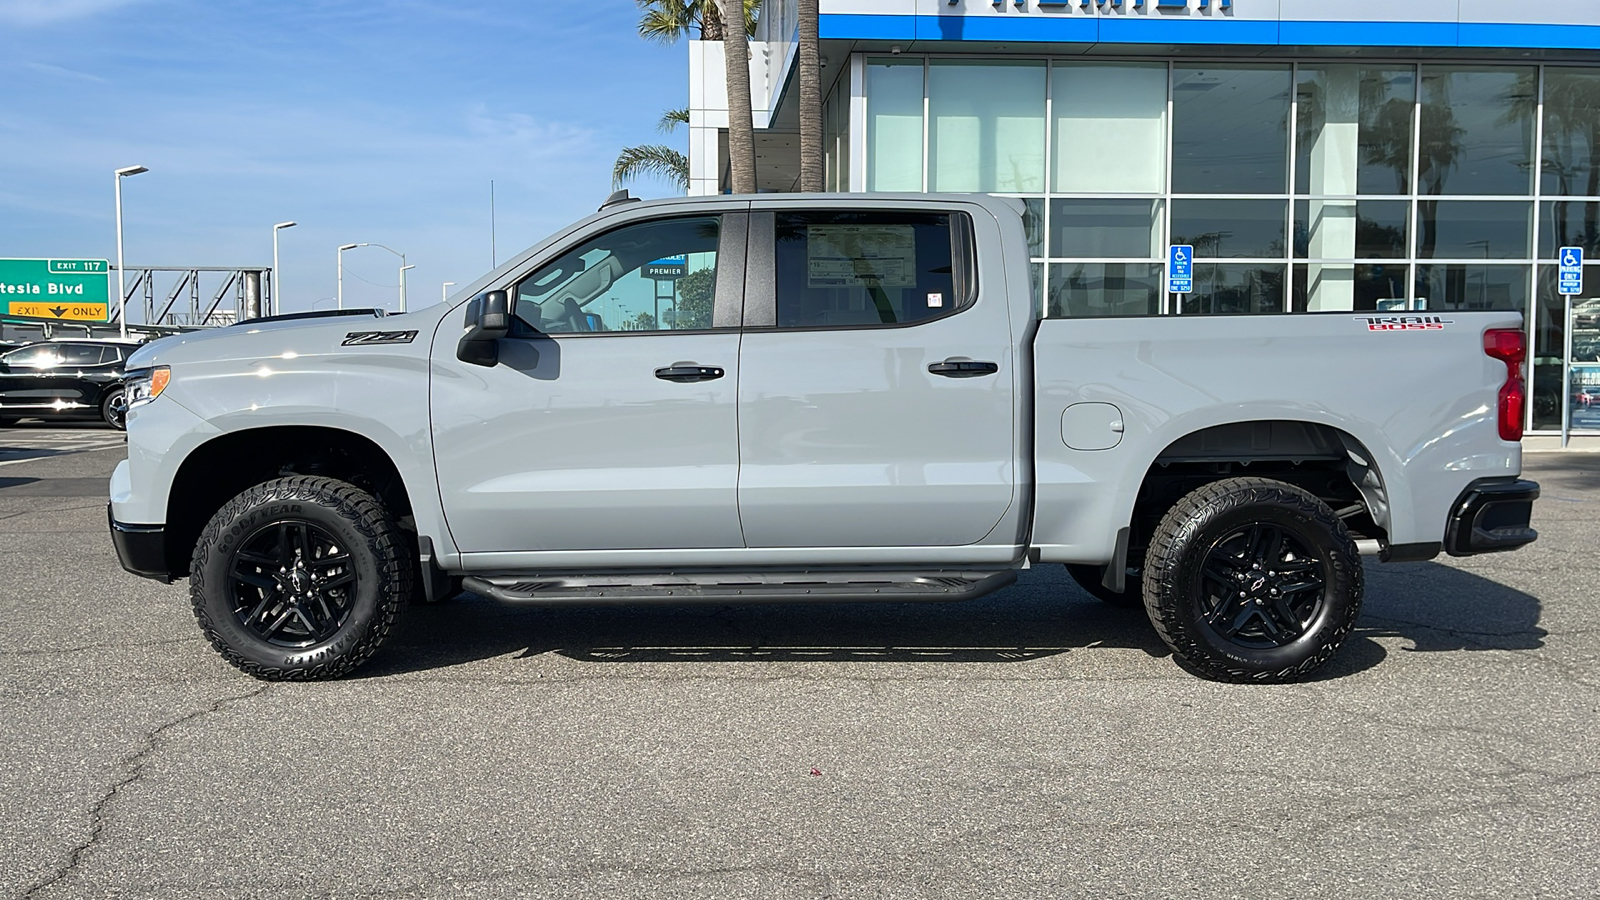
<point x="618" y="198"/>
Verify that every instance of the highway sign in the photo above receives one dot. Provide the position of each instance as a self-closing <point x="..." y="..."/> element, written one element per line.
<point x="1180" y="269"/>
<point x="1571" y="259"/>
<point x="74" y="289"/>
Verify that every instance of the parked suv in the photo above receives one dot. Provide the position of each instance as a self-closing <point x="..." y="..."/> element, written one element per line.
<point x="65" y="379"/>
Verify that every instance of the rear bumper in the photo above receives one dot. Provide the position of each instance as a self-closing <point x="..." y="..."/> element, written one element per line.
<point x="1491" y="516"/>
<point x="142" y="549"/>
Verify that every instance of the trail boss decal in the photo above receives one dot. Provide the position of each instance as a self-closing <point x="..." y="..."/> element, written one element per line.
<point x="362" y="338"/>
<point x="1404" y="323"/>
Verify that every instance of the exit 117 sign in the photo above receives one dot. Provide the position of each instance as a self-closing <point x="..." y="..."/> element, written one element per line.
<point x="75" y="289"/>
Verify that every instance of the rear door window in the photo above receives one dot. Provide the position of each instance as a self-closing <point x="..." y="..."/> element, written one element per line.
<point x="869" y="269"/>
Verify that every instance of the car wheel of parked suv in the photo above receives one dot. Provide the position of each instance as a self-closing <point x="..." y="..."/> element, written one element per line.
<point x="1252" y="580"/>
<point x="300" y="578"/>
<point x="114" y="410"/>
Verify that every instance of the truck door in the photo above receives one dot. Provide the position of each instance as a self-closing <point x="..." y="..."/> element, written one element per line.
<point x="876" y="397"/>
<point x="610" y="422"/>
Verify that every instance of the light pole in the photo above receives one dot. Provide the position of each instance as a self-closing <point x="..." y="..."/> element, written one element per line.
<point x="444" y="291"/>
<point x="403" y="268"/>
<point x="277" y="282"/>
<point x="339" y="300"/>
<point x="122" y="285"/>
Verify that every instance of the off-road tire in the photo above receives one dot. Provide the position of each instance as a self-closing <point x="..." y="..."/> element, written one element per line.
<point x="378" y="555"/>
<point x="1206" y="523"/>
<point x="1089" y="578"/>
<point x="109" y="413"/>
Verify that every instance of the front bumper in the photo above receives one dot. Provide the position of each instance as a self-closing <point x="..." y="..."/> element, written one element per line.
<point x="142" y="549"/>
<point x="1491" y="516"/>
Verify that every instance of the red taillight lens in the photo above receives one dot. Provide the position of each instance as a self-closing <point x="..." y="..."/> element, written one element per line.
<point x="1510" y="346"/>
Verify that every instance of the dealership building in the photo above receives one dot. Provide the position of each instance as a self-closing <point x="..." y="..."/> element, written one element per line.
<point x="1319" y="155"/>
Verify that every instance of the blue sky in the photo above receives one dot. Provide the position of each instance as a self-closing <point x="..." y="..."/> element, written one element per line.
<point x="379" y="121"/>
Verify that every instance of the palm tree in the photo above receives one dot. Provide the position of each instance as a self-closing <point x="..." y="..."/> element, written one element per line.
<point x="811" y="177"/>
<point x="668" y="20"/>
<point x="655" y="159"/>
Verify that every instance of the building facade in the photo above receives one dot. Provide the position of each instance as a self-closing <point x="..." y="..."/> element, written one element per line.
<point x="1359" y="155"/>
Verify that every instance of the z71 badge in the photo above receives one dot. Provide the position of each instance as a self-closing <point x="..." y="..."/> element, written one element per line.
<point x="363" y="338"/>
<point x="1404" y="323"/>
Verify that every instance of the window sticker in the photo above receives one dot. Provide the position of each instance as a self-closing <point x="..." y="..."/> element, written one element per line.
<point x="861" y="256"/>
<point x="935" y="300"/>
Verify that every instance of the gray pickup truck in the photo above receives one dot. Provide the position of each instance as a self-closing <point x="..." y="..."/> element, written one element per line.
<point x="817" y="397"/>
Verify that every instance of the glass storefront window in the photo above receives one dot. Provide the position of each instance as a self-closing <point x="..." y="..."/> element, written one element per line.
<point x="1474" y="229"/>
<point x="986" y="126"/>
<point x="1328" y="287"/>
<point x="1569" y="223"/>
<point x="894" y="125"/>
<point x="1351" y="229"/>
<point x="1549" y="341"/>
<point x="1105" y="289"/>
<point x="1233" y="289"/>
<point x="1230" y="129"/>
<point x="1477" y="129"/>
<point x="1353" y="134"/>
<point x="1110" y="127"/>
<point x="1105" y="229"/>
<point x="1472" y="286"/>
<point x="1231" y="229"/>
<point x="1572" y="132"/>
<point x="1033" y="225"/>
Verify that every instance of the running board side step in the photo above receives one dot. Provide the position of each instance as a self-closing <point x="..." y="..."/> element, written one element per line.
<point x="740" y="587"/>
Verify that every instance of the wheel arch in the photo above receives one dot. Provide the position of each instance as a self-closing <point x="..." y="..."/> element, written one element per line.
<point x="228" y="464"/>
<point x="1323" y="459"/>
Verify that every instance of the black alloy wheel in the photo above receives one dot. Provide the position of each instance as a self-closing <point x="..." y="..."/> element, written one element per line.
<point x="291" y="583"/>
<point x="1252" y="580"/>
<point x="1262" y="587"/>
<point x="114" y="410"/>
<point x="300" y="578"/>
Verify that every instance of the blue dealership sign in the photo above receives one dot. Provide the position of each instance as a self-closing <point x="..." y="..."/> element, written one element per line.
<point x="1571" y="271"/>
<point x="1180" y="269"/>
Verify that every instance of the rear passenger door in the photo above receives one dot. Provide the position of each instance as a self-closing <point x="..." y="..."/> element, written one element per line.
<point x="876" y="393"/>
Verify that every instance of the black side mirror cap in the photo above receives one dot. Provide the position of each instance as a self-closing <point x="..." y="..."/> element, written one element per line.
<point x="488" y="320"/>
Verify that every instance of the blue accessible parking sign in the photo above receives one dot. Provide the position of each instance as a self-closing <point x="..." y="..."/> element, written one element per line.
<point x="1180" y="269"/>
<point x="1571" y="271"/>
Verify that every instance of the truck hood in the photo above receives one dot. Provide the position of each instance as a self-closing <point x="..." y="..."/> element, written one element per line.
<point x="304" y="337"/>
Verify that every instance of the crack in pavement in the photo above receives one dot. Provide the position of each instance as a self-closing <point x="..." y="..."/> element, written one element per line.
<point x="135" y="763"/>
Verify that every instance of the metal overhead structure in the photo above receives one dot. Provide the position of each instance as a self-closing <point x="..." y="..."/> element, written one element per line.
<point x="199" y="296"/>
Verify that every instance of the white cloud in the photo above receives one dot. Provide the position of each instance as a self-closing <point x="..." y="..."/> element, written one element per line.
<point x="44" y="12"/>
<point x="62" y="72"/>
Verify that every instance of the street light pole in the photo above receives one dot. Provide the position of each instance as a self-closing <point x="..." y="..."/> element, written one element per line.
<point x="403" y="268"/>
<point x="339" y="300"/>
<point x="122" y="284"/>
<point x="277" y="282"/>
<point x="403" y="285"/>
<point x="444" y="291"/>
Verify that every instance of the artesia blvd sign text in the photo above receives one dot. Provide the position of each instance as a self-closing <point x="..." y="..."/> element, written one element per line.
<point x="77" y="289"/>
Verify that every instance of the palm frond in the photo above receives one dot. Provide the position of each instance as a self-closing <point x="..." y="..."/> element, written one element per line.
<point x="667" y="20"/>
<point x="672" y="118"/>
<point x="655" y="160"/>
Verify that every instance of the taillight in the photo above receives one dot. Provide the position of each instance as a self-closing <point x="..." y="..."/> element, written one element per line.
<point x="1510" y="345"/>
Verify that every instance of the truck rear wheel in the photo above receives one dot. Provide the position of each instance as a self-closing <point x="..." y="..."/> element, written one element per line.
<point x="299" y="578"/>
<point x="1252" y="580"/>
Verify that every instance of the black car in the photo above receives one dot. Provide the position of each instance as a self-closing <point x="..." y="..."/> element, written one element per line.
<point x="64" y="379"/>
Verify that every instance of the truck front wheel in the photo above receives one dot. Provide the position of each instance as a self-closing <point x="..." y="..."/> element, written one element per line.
<point x="299" y="578"/>
<point x="1252" y="580"/>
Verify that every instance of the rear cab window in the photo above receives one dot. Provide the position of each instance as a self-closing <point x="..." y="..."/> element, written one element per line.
<point x="862" y="269"/>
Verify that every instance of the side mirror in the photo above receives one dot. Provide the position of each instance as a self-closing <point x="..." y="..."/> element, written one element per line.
<point x="488" y="320"/>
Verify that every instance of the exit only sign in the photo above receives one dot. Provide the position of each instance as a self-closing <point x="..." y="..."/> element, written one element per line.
<point x="75" y="289"/>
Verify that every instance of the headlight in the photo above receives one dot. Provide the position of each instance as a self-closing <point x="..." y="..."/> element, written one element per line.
<point x="140" y="386"/>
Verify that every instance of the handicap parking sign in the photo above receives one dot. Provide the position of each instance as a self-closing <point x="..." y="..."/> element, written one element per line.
<point x="1571" y="259"/>
<point x="1180" y="269"/>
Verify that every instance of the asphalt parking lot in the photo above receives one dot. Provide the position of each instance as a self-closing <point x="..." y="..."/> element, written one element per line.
<point x="1031" y="744"/>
